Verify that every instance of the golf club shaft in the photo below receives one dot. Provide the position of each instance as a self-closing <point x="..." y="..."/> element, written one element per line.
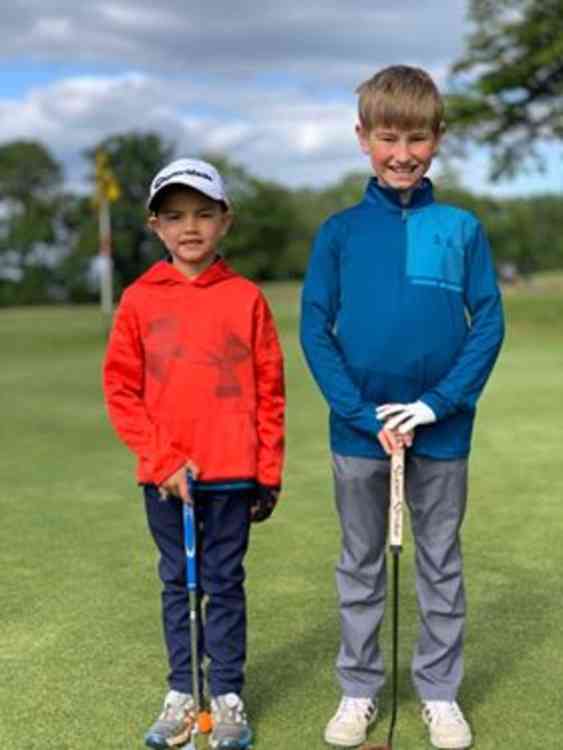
<point x="395" y="664"/>
<point x="190" y="539"/>
<point x="397" y="492"/>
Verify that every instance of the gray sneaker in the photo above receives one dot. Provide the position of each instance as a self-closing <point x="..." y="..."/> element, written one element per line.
<point x="230" y="726"/>
<point x="172" y="726"/>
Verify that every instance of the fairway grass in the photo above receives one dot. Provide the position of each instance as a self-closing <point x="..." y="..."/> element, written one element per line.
<point x="81" y="654"/>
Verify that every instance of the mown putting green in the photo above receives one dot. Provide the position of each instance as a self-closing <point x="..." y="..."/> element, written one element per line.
<point x="81" y="654"/>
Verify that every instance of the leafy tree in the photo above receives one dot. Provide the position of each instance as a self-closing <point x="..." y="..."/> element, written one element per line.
<point x="508" y="88"/>
<point x="30" y="179"/>
<point x="27" y="172"/>
<point x="265" y="221"/>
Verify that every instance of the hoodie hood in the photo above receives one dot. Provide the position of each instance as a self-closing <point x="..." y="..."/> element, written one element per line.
<point x="166" y="273"/>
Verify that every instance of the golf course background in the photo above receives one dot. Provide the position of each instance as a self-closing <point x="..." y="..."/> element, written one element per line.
<point x="81" y="654"/>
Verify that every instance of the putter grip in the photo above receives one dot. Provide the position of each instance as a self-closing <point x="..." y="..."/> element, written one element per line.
<point x="397" y="498"/>
<point x="190" y="539"/>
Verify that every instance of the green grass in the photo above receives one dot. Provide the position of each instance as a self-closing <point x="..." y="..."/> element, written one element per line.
<point x="81" y="654"/>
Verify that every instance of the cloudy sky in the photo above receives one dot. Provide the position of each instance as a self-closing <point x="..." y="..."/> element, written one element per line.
<point x="269" y="84"/>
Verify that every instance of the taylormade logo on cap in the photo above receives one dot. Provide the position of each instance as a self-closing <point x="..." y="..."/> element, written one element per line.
<point x="167" y="177"/>
<point x="193" y="173"/>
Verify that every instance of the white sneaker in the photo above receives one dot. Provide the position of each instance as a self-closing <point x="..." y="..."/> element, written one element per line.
<point x="349" y="725"/>
<point x="448" y="728"/>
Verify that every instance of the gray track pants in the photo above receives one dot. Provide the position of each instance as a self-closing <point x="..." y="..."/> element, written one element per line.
<point x="436" y="493"/>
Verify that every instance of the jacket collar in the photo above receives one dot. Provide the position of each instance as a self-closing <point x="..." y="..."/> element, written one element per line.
<point x="389" y="198"/>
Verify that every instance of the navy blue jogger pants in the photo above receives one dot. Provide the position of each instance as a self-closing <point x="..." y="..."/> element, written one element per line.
<point x="223" y="521"/>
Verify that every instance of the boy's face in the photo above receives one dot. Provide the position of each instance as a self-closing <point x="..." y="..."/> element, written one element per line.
<point x="399" y="158"/>
<point x="190" y="225"/>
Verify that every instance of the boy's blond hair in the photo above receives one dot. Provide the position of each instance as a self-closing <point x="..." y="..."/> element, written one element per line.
<point x="400" y="96"/>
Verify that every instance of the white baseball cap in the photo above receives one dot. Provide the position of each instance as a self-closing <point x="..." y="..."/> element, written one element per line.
<point x="193" y="173"/>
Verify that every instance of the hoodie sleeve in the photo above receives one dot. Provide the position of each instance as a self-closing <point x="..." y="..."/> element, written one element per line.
<point x="270" y="396"/>
<point x="460" y="389"/>
<point x="319" y="309"/>
<point x="123" y="381"/>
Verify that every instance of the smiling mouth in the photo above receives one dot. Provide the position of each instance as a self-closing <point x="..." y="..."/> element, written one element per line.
<point x="404" y="170"/>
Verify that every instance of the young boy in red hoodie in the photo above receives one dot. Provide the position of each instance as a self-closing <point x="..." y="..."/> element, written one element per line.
<point x="193" y="379"/>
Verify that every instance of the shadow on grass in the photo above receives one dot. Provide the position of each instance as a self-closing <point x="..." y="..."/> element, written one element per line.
<point x="297" y="666"/>
<point x="502" y="626"/>
<point x="305" y="665"/>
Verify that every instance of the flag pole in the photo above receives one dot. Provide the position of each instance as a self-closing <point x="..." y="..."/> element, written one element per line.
<point x="106" y="261"/>
<point x="107" y="192"/>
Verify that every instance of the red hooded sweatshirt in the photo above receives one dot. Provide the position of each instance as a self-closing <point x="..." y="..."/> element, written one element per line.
<point x="194" y="370"/>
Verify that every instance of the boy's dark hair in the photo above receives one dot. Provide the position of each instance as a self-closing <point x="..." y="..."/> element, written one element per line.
<point x="400" y="96"/>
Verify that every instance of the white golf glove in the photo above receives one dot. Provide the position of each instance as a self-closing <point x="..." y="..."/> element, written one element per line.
<point x="405" y="417"/>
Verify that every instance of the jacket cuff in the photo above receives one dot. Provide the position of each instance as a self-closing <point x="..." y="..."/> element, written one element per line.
<point x="368" y="422"/>
<point x="439" y="406"/>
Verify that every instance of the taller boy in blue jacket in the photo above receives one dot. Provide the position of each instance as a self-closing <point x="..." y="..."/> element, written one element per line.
<point x="401" y="326"/>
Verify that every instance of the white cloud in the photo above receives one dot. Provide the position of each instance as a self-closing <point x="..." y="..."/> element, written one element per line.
<point x="261" y="132"/>
<point x="271" y="85"/>
<point x="240" y="38"/>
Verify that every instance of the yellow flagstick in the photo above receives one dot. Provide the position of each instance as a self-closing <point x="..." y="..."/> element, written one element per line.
<point x="107" y="191"/>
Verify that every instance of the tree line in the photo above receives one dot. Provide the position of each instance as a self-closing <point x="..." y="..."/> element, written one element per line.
<point x="49" y="236"/>
<point x="505" y="92"/>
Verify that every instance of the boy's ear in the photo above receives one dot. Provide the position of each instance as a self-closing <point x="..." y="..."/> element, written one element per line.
<point x="227" y="222"/>
<point x="153" y="223"/>
<point x="363" y="138"/>
<point x="438" y="137"/>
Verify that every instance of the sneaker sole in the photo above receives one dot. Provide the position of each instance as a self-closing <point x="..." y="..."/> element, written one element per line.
<point x="156" y="741"/>
<point x="243" y="744"/>
<point x="231" y="745"/>
<point x="349" y="742"/>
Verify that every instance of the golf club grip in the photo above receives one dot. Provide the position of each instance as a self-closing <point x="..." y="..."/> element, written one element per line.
<point x="190" y="539"/>
<point x="397" y="499"/>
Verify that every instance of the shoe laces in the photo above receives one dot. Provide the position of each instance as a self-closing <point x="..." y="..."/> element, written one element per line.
<point x="175" y="705"/>
<point x="361" y="707"/>
<point x="230" y="708"/>
<point x="444" y="710"/>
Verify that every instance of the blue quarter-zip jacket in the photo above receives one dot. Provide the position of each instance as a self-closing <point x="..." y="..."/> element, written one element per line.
<point x="400" y="304"/>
